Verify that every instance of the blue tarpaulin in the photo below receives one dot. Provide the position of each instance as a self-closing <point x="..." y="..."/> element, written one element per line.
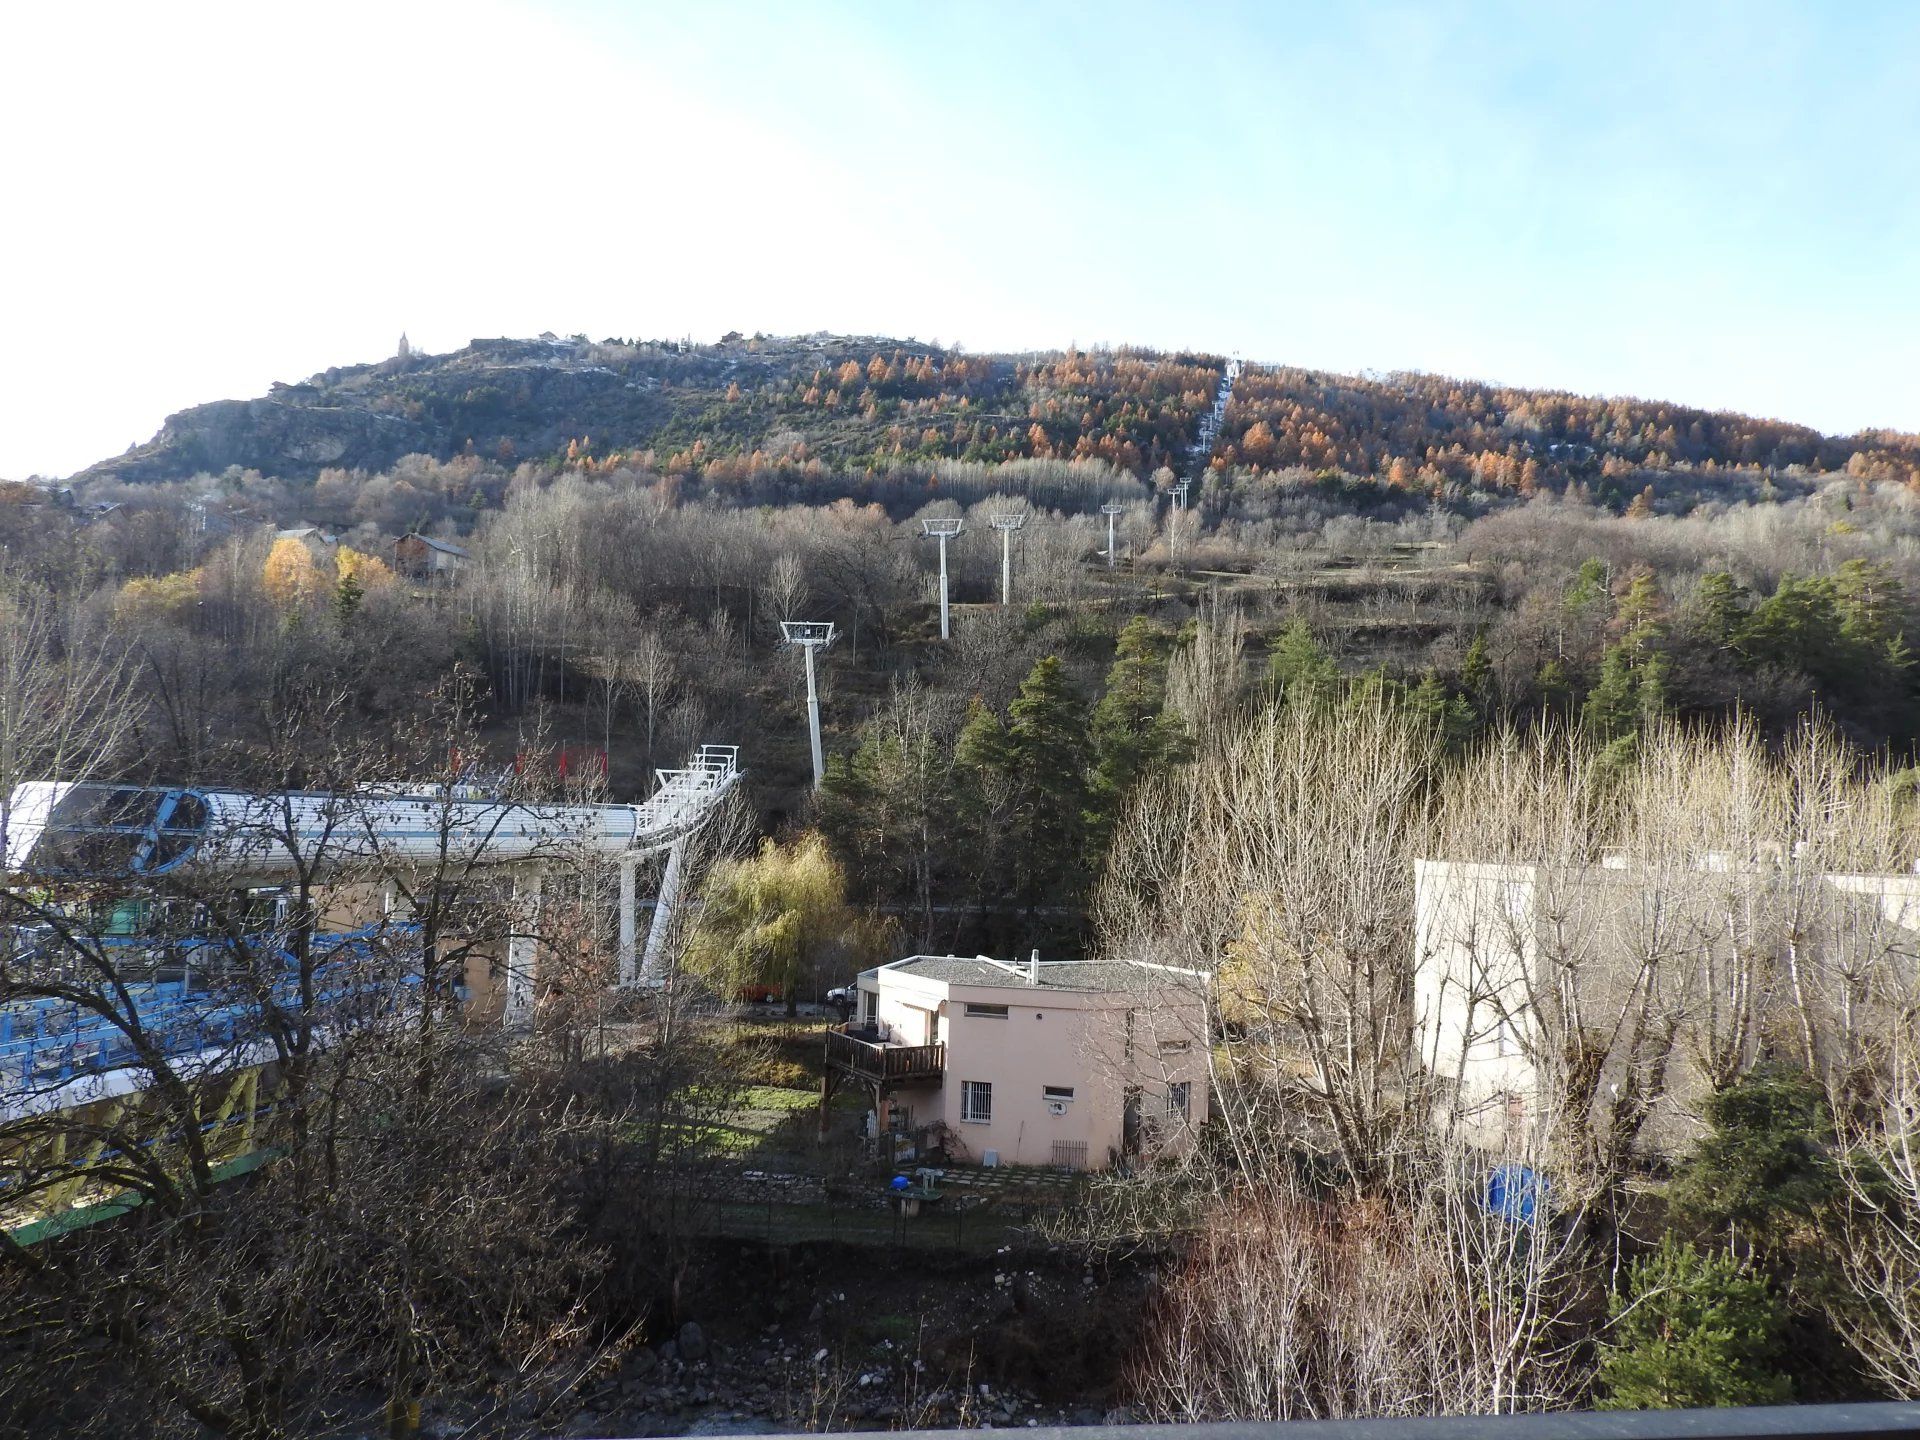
<point x="1514" y="1192"/>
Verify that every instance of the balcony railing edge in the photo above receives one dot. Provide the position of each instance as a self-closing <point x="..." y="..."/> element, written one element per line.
<point x="1771" y="1422"/>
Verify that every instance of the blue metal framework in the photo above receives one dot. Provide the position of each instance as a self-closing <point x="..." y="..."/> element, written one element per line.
<point x="360" y="976"/>
<point x="124" y="829"/>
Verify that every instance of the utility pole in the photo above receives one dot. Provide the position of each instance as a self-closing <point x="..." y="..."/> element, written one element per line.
<point x="809" y="636"/>
<point x="1179" y="508"/>
<point x="1006" y="522"/>
<point x="1111" y="510"/>
<point x="943" y="530"/>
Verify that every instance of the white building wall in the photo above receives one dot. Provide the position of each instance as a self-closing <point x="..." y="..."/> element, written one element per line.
<point x="1474" y="957"/>
<point x="1898" y="896"/>
<point x="909" y="1010"/>
<point x="1480" y="969"/>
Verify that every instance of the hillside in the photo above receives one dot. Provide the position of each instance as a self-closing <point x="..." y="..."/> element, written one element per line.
<point x="841" y="401"/>
<point x="798" y="412"/>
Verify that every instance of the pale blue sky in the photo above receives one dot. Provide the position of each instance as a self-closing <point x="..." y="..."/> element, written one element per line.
<point x="1716" y="204"/>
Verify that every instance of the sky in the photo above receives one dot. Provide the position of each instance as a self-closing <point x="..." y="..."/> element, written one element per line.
<point x="1713" y="204"/>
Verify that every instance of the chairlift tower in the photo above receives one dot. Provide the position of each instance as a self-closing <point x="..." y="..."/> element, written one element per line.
<point x="1112" y="511"/>
<point x="943" y="529"/>
<point x="1006" y="522"/>
<point x="809" y="636"/>
<point x="1178" y="494"/>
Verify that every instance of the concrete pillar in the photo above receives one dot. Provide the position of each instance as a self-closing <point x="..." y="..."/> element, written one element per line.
<point x="813" y="717"/>
<point x="945" y="632"/>
<point x="523" y="948"/>
<point x="663" y="907"/>
<point x="629" y="957"/>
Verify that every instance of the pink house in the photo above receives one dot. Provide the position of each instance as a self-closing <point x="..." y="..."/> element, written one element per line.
<point x="1071" y="1063"/>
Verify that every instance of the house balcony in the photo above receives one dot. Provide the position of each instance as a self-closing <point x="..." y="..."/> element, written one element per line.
<point x="860" y="1049"/>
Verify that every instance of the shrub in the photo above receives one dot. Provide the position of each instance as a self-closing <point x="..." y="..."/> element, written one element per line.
<point x="1694" y="1328"/>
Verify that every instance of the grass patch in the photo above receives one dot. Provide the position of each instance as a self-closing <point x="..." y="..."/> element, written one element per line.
<point x="981" y="1231"/>
<point x="769" y="1121"/>
<point x="774" y="1097"/>
<point x="777" y="1053"/>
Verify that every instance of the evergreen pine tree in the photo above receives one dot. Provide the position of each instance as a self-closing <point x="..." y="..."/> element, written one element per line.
<point x="1589" y="585"/>
<point x="1377" y="687"/>
<point x="982" y="746"/>
<point x="1763" y="1164"/>
<point x="1132" y="733"/>
<point x="1476" y="672"/>
<point x="1553" y="687"/>
<point x="1046" y="768"/>
<point x="1693" y="1329"/>
<point x="1446" y="712"/>
<point x="1299" y="669"/>
<point x="1612" y="710"/>
<point x="1639" y="613"/>
<point x="982" y="800"/>
<point x="1721" y="603"/>
<point x="347" y="595"/>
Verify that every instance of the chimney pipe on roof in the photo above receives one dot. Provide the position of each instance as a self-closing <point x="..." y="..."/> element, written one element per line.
<point x="1033" y="969"/>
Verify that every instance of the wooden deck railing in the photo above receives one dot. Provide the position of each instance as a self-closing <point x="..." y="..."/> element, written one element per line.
<point x="892" y="1063"/>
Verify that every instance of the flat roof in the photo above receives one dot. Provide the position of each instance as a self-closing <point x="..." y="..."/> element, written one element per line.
<point x="986" y="972"/>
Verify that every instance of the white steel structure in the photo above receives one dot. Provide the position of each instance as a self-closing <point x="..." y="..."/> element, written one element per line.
<point x="1006" y="522"/>
<point x="943" y="529"/>
<point x="58" y="830"/>
<point x="1112" y="511"/>
<point x="809" y="636"/>
<point x="1178" y="495"/>
<point x="684" y="802"/>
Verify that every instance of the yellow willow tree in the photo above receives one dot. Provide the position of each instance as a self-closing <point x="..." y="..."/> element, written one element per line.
<point x="777" y="918"/>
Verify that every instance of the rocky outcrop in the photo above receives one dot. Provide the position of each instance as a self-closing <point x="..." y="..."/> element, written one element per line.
<point x="274" y="436"/>
<point x="521" y="398"/>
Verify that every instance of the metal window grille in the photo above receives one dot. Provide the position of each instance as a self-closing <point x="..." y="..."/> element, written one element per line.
<point x="1070" y="1154"/>
<point x="976" y="1101"/>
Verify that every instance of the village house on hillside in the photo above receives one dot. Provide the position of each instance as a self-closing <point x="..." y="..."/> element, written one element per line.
<point x="1070" y="1063"/>
<point x="320" y="544"/>
<point x="424" y="558"/>
<point x="1628" y="993"/>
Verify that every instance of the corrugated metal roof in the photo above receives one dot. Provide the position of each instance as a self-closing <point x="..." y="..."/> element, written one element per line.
<point x="445" y="547"/>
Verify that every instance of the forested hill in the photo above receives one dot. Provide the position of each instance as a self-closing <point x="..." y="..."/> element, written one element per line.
<point x="778" y="417"/>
